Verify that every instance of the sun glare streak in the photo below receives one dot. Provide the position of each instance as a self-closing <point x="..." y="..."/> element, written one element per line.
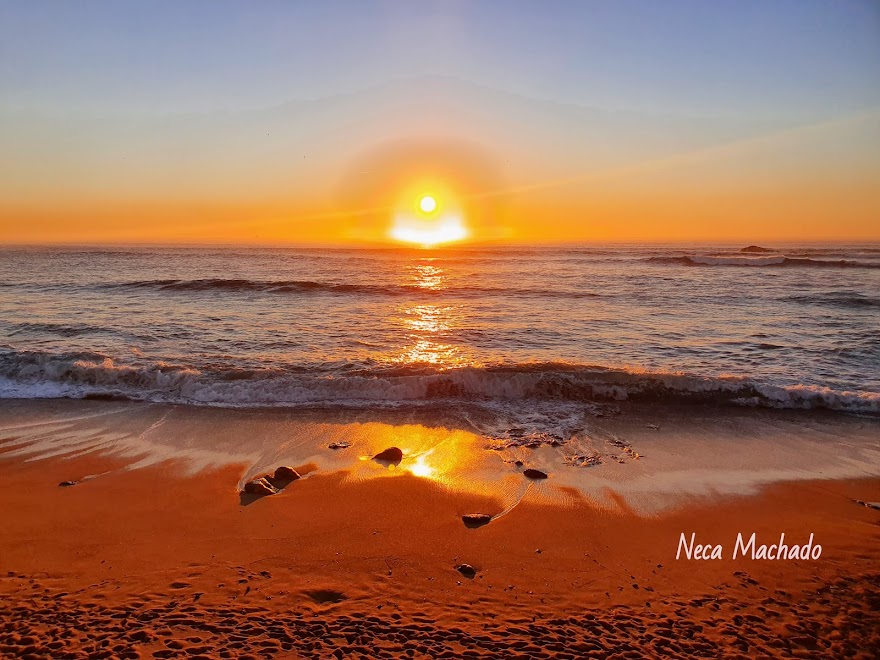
<point x="445" y="229"/>
<point x="421" y="468"/>
<point x="428" y="220"/>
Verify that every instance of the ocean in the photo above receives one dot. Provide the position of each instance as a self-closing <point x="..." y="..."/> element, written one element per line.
<point x="534" y="336"/>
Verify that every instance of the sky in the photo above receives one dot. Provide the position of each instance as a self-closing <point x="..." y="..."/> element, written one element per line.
<point x="531" y="121"/>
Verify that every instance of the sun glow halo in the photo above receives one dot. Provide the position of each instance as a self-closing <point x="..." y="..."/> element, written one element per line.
<point x="429" y="225"/>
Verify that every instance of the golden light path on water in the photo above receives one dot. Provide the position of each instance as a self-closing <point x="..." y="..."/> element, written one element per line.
<point x="425" y="324"/>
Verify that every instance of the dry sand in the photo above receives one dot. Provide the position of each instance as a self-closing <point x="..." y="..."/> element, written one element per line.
<point x="157" y="562"/>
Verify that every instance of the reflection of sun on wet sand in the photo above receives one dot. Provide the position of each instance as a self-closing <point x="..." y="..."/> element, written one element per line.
<point x="157" y="556"/>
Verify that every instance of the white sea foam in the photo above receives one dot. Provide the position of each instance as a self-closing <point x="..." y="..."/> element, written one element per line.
<point x="41" y="375"/>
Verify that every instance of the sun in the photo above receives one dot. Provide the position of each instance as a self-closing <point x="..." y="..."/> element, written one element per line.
<point x="428" y="219"/>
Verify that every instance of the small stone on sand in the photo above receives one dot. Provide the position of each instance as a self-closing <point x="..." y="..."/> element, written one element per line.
<point x="476" y="519"/>
<point x="259" y="486"/>
<point x="284" y="473"/>
<point x="532" y="473"/>
<point x="391" y="455"/>
<point x="467" y="570"/>
<point x="342" y="444"/>
<point x="68" y="483"/>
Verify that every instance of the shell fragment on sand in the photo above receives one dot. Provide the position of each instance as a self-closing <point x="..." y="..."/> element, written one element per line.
<point x="583" y="460"/>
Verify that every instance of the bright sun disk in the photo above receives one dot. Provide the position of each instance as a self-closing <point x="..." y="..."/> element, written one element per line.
<point x="427" y="204"/>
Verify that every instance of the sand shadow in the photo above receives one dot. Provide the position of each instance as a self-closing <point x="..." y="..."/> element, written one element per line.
<point x="323" y="596"/>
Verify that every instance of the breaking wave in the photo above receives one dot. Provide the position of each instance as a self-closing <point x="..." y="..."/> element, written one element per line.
<point x="31" y="374"/>
<point x="307" y="286"/>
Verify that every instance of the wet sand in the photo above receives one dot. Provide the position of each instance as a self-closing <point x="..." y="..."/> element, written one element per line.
<point x="165" y="561"/>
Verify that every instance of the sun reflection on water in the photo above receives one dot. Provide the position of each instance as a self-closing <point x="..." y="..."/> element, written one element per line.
<point x="420" y="467"/>
<point x="426" y="325"/>
<point x="427" y="276"/>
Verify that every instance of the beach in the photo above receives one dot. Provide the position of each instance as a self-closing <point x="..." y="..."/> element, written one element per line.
<point x="153" y="551"/>
<point x="610" y="451"/>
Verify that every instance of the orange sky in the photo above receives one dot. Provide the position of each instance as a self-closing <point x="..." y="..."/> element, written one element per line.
<point x="513" y="168"/>
<point x="169" y="122"/>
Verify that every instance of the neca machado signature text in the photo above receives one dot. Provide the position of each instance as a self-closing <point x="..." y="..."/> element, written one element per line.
<point x="748" y="548"/>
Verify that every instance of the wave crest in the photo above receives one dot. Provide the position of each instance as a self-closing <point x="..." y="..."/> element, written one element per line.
<point x="34" y="374"/>
<point x="308" y="286"/>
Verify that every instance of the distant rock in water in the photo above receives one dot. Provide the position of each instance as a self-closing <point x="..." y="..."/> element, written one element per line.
<point x="473" y="520"/>
<point x="390" y="455"/>
<point x="259" y="486"/>
<point x="284" y="473"/>
<point x="531" y="473"/>
<point x="756" y="249"/>
<point x="467" y="570"/>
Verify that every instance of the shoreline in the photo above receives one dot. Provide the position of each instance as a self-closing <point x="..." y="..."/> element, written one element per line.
<point x="159" y="557"/>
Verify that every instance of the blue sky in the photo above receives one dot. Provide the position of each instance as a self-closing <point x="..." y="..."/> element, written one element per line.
<point x="800" y="59"/>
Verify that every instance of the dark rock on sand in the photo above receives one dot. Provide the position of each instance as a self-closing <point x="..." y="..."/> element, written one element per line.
<point x="870" y="505"/>
<point x="532" y="473"/>
<point x="473" y="520"/>
<point x="390" y="455"/>
<point x="259" y="486"/>
<point x="68" y="483"/>
<point x="284" y="473"/>
<point x="756" y="249"/>
<point x="342" y="444"/>
<point x="467" y="570"/>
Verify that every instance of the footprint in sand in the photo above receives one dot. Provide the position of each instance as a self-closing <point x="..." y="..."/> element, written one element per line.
<point x="325" y="595"/>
